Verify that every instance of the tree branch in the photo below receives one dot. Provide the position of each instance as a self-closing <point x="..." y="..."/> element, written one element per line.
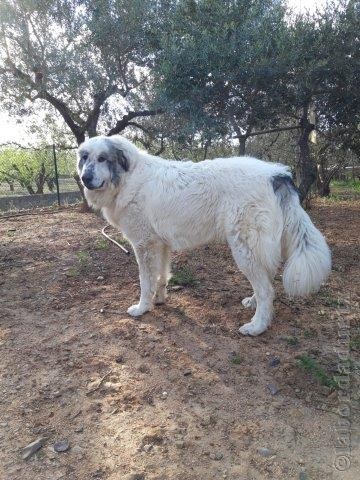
<point x="60" y="106"/>
<point x="272" y="130"/>
<point x="124" y="122"/>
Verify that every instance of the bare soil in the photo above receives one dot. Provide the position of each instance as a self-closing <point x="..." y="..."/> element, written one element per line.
<point x="178" y="394"/>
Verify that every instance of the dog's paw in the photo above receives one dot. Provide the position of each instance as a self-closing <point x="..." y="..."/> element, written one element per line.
<point x="137" y="310"/>
<point x="249" y="302"/>
<point x="251" y="329"/>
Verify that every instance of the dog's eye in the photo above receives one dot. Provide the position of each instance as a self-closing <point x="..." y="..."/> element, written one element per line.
<point x="101" y="159"/>
<point x="84" y="157"/>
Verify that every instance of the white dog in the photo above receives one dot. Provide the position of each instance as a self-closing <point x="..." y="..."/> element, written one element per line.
<point x="165" y="205"/>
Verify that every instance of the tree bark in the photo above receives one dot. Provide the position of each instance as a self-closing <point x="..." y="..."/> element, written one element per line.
<point x="306" y="166"/>
<point x="242" y="145"/>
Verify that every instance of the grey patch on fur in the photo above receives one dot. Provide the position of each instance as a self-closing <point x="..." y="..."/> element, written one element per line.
<point x="118" y="155"/>
<point x="284" y="188"/>
<point x="282" y="182"/>
<point x="82" y="160"/>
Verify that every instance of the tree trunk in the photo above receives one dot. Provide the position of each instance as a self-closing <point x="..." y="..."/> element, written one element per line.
<point x="306" y="167"/>
<point x="324" y="189"/>
<point x="322" y="181"/>
<point x="242" y="145"/>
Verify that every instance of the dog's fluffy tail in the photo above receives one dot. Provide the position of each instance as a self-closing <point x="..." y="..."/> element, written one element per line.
<point x="307" y="255"/>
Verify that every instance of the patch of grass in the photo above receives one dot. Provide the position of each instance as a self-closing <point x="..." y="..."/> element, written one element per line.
<point x="293" y="341"/>
<point x="237" y="360"/>
<point x="83" y="257"/>
<point x="311" y="333"/>
<point x="123" y="242"/>
<point x="101" y="244"/>
<point x="311" y="366"/>
<point x="333" y="302"/>
<point x="180" y="311"/>
<point x="73" y="272"/>
<point x="349" y="184"/>
<point x="355" y="343"/>
<point x="184" y="277"/>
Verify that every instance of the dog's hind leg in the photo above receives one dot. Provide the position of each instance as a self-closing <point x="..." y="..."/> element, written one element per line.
<point x="147" y="256"/>
<point x="260" y="276"/>
<point x="164" y="274"/>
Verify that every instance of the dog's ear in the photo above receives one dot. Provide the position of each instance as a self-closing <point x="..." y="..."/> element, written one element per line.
<point x="118" y="154"/>
<point x="122" y="160"/>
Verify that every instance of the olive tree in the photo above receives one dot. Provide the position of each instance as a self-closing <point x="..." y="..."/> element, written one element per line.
<point x="82" y="59"/>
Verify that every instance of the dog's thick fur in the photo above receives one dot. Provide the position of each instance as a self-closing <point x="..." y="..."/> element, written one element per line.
<point x="164" y="205"/>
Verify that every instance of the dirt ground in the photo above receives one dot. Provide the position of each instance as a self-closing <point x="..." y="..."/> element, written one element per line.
<point x="177" y="394"/>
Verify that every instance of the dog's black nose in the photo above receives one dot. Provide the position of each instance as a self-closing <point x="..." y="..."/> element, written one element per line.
<point x="87" y="179"/>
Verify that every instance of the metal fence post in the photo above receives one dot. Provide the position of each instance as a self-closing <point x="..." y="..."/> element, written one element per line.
<point x="56" y="175"/>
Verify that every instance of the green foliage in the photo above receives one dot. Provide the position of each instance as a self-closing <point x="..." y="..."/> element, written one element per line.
<point x="83" y="257"/>
<point x="355" y="343"/>
<point x="220" y="69"/>
<point x="31" y="169"/>
<point x="183" y="277"/>
<point x="219" y="62"/>
<point x="73" y="57"/>
<point x="347" y="185"/>
<point x="292" y="341"/>
<point x="102" y="244"/>
<point x="311" y="366"/>
<point x="237" y="359"/>
<point x="34" y="170"/>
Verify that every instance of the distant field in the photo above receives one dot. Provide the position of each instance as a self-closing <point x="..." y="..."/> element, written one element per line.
<point x="345" y="189"/>
<point x="66" y="184"/>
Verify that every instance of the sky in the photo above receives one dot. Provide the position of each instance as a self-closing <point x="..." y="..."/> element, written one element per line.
<point x="12" y="131"/>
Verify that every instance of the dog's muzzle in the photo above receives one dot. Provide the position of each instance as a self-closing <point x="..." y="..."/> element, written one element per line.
<point x="87" y="181"/>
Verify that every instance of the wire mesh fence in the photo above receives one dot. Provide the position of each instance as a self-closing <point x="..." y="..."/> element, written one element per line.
<point x="34" y="177"/>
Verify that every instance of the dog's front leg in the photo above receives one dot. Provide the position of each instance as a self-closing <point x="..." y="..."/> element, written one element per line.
<point x="148" y="280"/>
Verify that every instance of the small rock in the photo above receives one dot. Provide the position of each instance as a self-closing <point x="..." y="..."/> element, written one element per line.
<point x="187" y="373"/>
<point x="175" y="288"/>
<point x="112" y="386"/>
<point x="274" y="362"/>
<point x="100" y="277"/>
<point x="265" y="452"/>
<point x="146" y="448"/>
<point x="302" y="476"/>
<point x="79" y="430"/>
<point x="102" y="310"/>
<point x="247" y="441"/>
<point x="134" y="476"/>
<point x="216" y="456"/>
<point x="272" y="387"/>
<point x="164" y="395"/>
<point x="78" y="450"/>
<point x="180" y="444"/>
<point x="144" y="368"/>
<point x="119" y="359"/>
<point x="61" y="446"/>
<point x="32" y="448"/>
<point x="3" y="424"/>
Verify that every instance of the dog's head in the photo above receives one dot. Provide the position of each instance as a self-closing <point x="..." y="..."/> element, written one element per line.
<point x="102" y="162"/>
